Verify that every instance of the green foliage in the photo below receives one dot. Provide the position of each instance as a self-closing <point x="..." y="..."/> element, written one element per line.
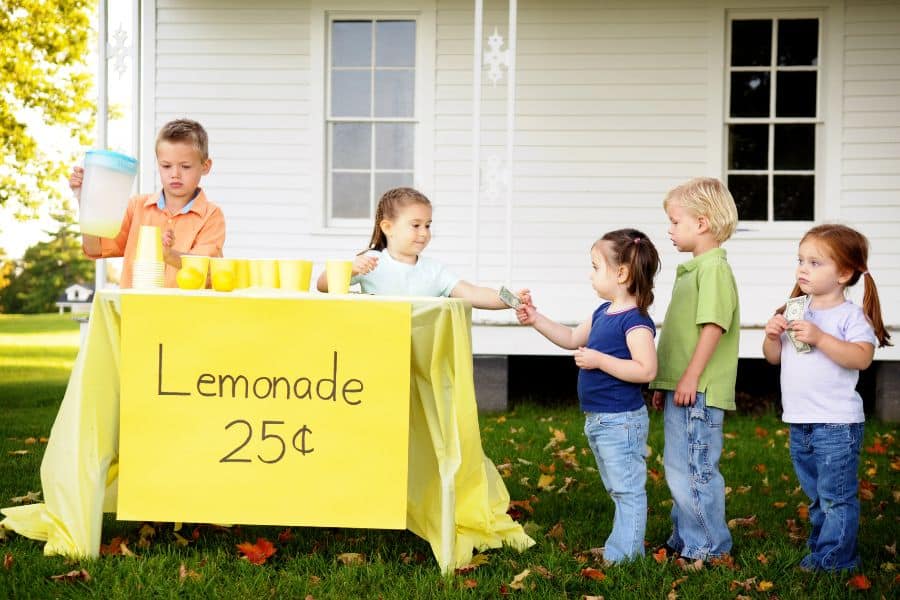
<point x="43" y="78"/>
<point x="46" y="269"/>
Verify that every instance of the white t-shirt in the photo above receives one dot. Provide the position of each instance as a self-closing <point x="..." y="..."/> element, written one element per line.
<point x="393" y="278"/>
<point x="815" y="389"/>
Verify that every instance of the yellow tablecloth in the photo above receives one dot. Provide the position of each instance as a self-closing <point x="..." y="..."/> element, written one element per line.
<point x="456" y="498"/>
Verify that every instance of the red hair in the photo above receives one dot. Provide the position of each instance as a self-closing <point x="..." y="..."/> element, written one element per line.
<point x="849" y="249"/>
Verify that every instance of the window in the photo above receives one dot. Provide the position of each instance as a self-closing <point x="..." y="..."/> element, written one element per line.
<point x="370" y="113"/>
<point x="772" y="117"/>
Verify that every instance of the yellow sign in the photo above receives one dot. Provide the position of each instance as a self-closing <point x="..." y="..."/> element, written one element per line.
<point x="264" y="411"/>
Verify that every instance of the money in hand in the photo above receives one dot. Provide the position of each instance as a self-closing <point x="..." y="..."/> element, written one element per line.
<point x="508" y="298"/>
<point x="794" y="309"/>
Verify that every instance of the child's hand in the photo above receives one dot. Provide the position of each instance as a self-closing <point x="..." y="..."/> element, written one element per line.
<point x="168" y="238"/>
<point x="659" y="400"/>
<point x="776" y="326"/>
<point x="805" y="331"/>
<point x="586" y="358"/>
<point x="686" y="390"/>
<point x="525" y="296"/>
<point x="76" y="179"/>
<point x="527" y="314"/>
<point x="363" y="264"/>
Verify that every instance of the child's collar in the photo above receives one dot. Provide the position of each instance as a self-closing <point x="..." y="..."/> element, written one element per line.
<point x="710" y="254"/>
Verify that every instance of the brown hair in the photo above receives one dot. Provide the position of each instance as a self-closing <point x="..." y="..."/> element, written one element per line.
<point x="707" y="197"/>
<point x="185" y="130"/>
<point x="633" y="249"/>
<point x="388" y="208"/>
<point x="849" y="249"/>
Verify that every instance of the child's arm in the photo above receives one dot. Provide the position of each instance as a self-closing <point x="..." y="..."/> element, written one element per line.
<point x="686" y="390"/>
<point x="641" y="368"/>
<point x="561" y="335"/>
<point x="772" y="342"/>
<point x="479" y="296"/>
<point x="362" y="264"/>
<point x="850" y="355"/>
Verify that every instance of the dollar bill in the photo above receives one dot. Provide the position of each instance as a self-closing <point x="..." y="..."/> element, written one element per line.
<point x="794" y="309"/>
<point x="508" y="298"/>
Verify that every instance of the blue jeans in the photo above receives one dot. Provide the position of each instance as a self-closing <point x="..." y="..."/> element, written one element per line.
<point x="826" y="459"/>
<point x="619" y="443"/>
<point x="691" y="457"/>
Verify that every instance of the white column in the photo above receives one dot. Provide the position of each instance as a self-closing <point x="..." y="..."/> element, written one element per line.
<point x="477" y="34"/>
<point x="102" y="113"/>
<point x="510" y="132"/>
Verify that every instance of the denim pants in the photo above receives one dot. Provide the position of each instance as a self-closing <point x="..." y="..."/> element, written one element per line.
<point x="691" y="457"/>
<point x="826" y="459"/>
<point x="619" y="443"/>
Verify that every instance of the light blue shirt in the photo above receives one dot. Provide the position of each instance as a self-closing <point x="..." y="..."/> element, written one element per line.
<point x="393" y="278"/>
<point x="814" y="388"/>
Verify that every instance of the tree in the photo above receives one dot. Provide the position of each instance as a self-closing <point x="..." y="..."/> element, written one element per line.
<point x="47" y="269"/>
<point x="44" y="82"/>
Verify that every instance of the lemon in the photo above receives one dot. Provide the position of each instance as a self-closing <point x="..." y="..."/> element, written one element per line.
<point x="189" y="279"/>
<point x="223" y="281"/>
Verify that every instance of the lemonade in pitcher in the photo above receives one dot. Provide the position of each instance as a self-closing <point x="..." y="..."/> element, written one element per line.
<point x="108" y="177"/>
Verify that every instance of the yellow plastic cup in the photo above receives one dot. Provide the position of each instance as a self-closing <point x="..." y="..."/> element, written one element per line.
<point x="196" y="262"/>
<point x="268" y="274"/>
<point x="149" y="247"/>
<point x="221" y="264"/>
<point x="294" y="274"/>
<point x="338" y="274"/>
<point x="242" y="273"/>
<point x="255" y="274"/>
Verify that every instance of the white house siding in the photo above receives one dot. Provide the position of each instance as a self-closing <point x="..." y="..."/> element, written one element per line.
<point x="617" y="102"/>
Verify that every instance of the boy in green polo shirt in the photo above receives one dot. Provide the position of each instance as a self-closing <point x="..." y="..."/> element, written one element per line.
<point x="698" y="356"/>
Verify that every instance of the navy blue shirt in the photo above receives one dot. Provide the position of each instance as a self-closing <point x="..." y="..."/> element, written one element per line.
<point x="599" y="391"/>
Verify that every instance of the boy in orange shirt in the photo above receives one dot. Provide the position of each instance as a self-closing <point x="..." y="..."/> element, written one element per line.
<point x="190" y="223"/>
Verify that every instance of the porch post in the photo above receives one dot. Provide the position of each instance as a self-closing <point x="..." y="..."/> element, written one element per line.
<point x="102" y="113"/>
<point x="477" y="35"/>
<point x="510" y="132"/>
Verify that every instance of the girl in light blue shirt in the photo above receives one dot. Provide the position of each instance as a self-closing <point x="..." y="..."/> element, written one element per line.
<point x="392" y="265"/>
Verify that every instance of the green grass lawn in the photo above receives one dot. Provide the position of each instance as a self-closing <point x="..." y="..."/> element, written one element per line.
<point x="36" y="354"/>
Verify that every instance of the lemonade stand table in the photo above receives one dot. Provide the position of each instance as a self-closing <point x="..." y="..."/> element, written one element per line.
<point x="455" y="497"/>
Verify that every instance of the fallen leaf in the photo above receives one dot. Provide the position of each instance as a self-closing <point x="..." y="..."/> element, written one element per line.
<point x="761" y="432"/>
<point x="469" y="584"/>
<point x="285" y="536"/>
<point x="726" y="560"/>
<point x="568" y="481"/>
<point x="744" y="489"/>
<point x="115" y="547"/>
<point x="759" y="468"/>
<point x="185" y="573"/>
<point x="742" y="522"/>
<point x="678" y="582"/>
<point x="18" y="452"/>
<point x="592" y="573"/>
<point x="27" y="498"/>
<point x="762" y="558"/>
<point x="730" y="435"/>
<point x="523" y="504"/>
<point x="654" y="474"/>
<point x="517" y="582"/>
<point x="557" y="532"/>
<point x="859" y="582"/>
<point x="671" y="595"/>
<point x="545" y="481"/>
<point x="43" y="440"/>
<point x="779" y="504"/>
<point x="351" y="558"/>
<point x="660" y="555"/>
<point x="592" y="598"/>
<point x="746" y="585"/>
<point x="764" y="586"/>
<point x="8" y="561"/>
<point x="79" y="575"/>
<point x="685" y="565"/>
<point x="30" y="440"/>
<point x="803" y="512"/>
<point x="501" y="419"/>
<point x="875" y="448"/>
<point x="892" y="549"/>
<point x="543" y="572"/>
<point x="256" y="553"/>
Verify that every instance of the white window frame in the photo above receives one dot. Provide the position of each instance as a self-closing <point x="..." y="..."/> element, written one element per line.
<point x="322" y="15"/>
<point x="829" y="107"/>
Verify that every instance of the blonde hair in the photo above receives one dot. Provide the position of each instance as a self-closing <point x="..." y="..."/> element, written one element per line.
<point x="707" y="197"/>
<point x="185" y="130"/>
<point x="389" y="206"/>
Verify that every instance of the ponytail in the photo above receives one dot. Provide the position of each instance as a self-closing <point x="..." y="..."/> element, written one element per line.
<point x="634" y="249"/>
<point x="872" y="310"/>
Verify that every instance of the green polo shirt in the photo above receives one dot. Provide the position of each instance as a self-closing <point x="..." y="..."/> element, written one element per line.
<point x="704" y="292"/>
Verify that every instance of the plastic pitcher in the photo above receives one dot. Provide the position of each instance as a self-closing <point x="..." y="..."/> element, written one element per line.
<point x="108" y="177"/>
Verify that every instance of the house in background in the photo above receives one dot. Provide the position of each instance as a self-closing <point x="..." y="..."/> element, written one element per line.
<point x="77" y="298"/>
<point x="535" y="127"/>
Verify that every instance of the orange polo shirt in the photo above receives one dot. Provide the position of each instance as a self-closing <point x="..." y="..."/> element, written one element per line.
<point x="199" y="230"/>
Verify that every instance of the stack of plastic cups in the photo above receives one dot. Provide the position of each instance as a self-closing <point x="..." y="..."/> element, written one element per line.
<point x="149" y="268"/>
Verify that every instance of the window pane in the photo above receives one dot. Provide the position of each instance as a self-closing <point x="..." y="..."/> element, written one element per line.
<point x="351" y="43"/>
<point x="351" y="146"/>
<point x="351" y="93"/>
<point x="798" y="42"/>
<point x="394" y="93"/>
<point x="388" y="181"/>
<point x="394" y="146"/>
<point x="751" y="43"/>
<point x="395" y="44"/>
<point x="748" y="147"/>
<point x="796" y="95"/>
<point x="794" y="197"/>
<point x="350" y="195"/>
<point x="795" y="147"/>
<point x="750" y="196"/>
<point x="750" y="94"/>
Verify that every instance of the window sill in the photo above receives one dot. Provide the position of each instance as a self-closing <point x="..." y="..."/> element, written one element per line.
<point x="788" y="230"/>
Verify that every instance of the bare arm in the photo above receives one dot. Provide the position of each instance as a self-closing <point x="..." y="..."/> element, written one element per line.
<point x="850" y="355"/>
<point x="772" y="342"/>
<point x="561" y="335"/>
<point x="479" y="296"/>
<point x="362" y="264"/>
<point x="640" y="368"/>
<point x="686" y="390"/>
